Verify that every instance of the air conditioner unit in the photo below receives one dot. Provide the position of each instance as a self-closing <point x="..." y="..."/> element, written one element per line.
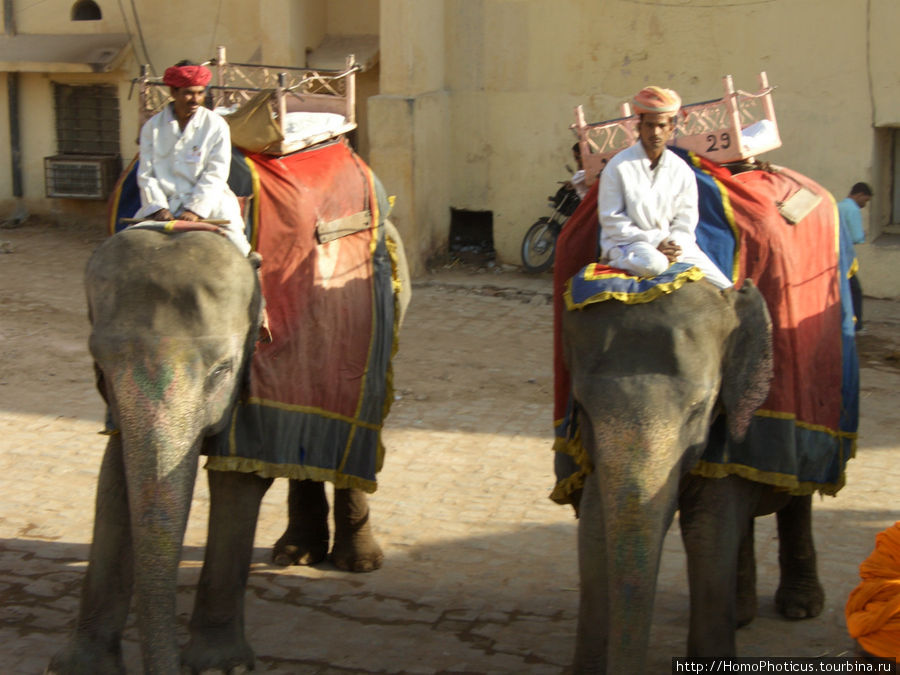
<point x="81" y="176"/>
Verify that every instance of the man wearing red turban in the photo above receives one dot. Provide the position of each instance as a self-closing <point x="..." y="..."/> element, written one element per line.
<point x="647" y="200"/>
<point x="185" y="158"/>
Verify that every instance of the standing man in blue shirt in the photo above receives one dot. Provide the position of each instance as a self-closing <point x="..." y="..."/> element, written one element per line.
<point x="850" y="211"/>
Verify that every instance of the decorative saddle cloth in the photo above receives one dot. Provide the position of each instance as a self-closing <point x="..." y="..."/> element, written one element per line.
<point x="597" y="282"/>
<point x="319" y="394"/>
<point x="805" y="432"/>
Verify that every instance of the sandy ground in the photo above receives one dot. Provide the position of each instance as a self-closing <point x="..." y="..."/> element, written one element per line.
<point x="480" y="571"/>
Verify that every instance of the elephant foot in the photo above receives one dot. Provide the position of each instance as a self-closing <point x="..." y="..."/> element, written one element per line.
<point x="802" y="599"/>
<point x="286" y="555"/>
<point x="305" y="541"/>
<point x="355" y="548"/>
<point x="205" y="654"/>
<point x="86" y="659"/>
<point x="300" y="548"/>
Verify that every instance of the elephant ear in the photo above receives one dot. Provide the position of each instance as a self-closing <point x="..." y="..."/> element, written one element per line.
<point x="747" y="366"/>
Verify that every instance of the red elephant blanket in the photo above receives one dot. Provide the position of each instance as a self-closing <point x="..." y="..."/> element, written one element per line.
<point x="803" y="435"/>
<point x="319" y="394"/>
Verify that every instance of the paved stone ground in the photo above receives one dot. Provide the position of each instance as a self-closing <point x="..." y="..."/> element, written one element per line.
<point x="480" y="571"/>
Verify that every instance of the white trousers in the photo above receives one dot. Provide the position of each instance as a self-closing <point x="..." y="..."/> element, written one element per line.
<point x="644" y="260"/>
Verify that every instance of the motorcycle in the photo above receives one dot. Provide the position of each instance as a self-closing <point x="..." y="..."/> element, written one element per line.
<point x="539" y="244"/>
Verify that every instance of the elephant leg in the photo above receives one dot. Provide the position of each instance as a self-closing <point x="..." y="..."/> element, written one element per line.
<point x="217" y="624"/>
<point x="799" y="594"/>
<point x="355" y="548"/>
<point x="746" y="579"/>
<point x="592" y="644"/>
<point x="305" y="541"/>
<point x="105" y="596"/>
<point x="714" y="517"/>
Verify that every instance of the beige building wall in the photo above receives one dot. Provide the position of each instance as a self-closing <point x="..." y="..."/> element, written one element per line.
<point x="471" y="101"/>
<point x="409" y="124"/>
<point x="163" y="32"/>
<point x="512" y="71"/>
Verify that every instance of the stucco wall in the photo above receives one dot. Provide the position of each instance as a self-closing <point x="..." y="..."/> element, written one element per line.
<point x="164" y="31"/>
<point x="513" y="71"/>
<point x="539" y="59"/>
<point x="353" y="17"/>
<point x="409" y="123"/>
<point x="477" y="96"/>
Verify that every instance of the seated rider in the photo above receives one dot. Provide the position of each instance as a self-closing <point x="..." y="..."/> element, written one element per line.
<point x="185" y="158"/>
<point x="647" y="199"/>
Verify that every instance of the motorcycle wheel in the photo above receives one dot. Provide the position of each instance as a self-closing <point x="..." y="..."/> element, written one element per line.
<point x="539" y="246"/>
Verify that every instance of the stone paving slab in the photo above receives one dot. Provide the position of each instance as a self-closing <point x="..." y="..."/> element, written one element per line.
<point x="480" y="567"/>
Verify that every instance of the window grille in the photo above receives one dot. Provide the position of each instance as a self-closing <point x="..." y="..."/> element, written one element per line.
<point x="87" y="119"/>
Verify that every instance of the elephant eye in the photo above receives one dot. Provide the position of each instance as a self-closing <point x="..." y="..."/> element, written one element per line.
<point x="220" y="371"/>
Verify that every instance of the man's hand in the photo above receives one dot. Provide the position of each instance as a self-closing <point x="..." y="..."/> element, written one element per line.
<point x="162" y="214"/>
<point x="190" y="216"/>
<point x="670" y="249"/>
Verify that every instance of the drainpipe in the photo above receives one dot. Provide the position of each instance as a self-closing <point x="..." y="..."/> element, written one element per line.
<point x="12" y="95"/>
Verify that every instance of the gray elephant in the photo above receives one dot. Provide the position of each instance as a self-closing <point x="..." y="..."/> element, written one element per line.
<point x="173" y="325"/>
<point x="174" y="319"/>
<point x="647" y="380"/>
<point x="671" y="408"/>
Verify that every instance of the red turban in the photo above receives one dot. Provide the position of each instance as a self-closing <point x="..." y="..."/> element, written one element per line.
<point x="187" y="76"/>
<point x="656" y="100"/>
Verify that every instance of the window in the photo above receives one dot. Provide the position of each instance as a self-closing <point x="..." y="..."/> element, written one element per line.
<point x="87" y="142"/>
<point x="87" y="119"/>
<point x="86" y="10"/>
<point x="894" y="226"/>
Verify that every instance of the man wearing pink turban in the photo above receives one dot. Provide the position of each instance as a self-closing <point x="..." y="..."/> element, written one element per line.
<point x="647" y="201"/>
<point x="185" y="158"/>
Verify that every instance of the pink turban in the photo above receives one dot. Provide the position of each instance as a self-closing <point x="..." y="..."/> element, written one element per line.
<point x="656" y="100"/>
<point x="187" y="76"/>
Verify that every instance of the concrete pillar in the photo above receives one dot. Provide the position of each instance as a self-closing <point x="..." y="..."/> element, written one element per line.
<point x="409" y="124"/>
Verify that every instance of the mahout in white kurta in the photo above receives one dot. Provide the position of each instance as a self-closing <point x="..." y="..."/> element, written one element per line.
<point x="639" y="208"/>
<point x="188" y="170"/>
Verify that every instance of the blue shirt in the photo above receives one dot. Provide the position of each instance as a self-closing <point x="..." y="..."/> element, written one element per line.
<point x="851" y="220"/>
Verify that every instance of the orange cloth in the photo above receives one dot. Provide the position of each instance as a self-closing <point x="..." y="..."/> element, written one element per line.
<point x="656" y="100"/>
<point x="873" y="608"/>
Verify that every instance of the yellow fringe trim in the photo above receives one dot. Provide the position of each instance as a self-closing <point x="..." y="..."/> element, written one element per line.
<point x="290" y="407"/>
<point x="254" y="217"/>
<point x="729" y="216"/>
<point x="563" y="490"/>
<point x="690" y="274"/>
<point x="782" y="481"/>
<point x="834" y="433"/>
<point x="269" y="470"/>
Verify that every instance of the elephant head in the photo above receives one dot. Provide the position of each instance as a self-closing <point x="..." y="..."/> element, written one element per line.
<point x="648" y="380"/>
<point x="173" y="324"/>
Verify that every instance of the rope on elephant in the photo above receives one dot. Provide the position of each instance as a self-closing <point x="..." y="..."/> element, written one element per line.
<point x="873" y="607"/>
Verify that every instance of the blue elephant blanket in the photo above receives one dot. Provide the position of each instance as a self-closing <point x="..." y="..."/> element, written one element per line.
<point x="801" y="438"/>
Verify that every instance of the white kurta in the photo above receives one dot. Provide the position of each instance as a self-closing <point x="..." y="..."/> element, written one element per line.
<point x="639" y="208"/>
<point x="188" y="170"/>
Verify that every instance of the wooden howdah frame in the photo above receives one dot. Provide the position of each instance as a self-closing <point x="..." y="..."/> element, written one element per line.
<point x="292" y="89"/>
<point x="717" y="129"/>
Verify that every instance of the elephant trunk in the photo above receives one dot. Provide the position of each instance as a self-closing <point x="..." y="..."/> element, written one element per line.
<point x="627" y="507"/>
<point x="634" y="538"/>
<point x="161" y="443"/>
